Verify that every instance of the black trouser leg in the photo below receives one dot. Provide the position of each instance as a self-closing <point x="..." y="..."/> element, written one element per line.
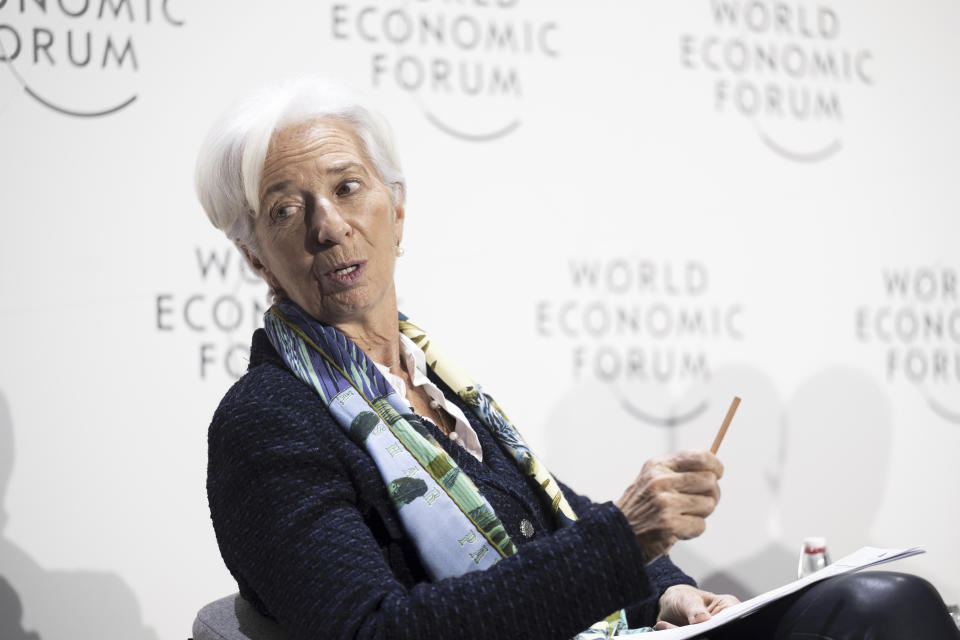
<point x="870" y="605"/>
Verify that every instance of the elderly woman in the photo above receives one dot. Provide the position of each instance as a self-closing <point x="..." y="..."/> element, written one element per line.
<point x="360" y="484"/>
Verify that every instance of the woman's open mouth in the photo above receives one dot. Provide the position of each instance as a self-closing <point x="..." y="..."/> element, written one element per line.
<point x="347" y="273"/>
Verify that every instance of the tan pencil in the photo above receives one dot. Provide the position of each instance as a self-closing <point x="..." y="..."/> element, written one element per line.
<point x="726" y="423"/>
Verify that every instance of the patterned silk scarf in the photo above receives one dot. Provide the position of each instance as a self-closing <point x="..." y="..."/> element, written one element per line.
<point x="453" y="527"/>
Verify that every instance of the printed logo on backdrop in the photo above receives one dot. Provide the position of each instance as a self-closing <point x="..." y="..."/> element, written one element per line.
<point x="916" y="330"/>
<point x="82" y="57"/>
<point x="468" y="65"/>
<point x="787" y="68"/>
<point x="218" y="313"/>
<point x="629" y="322"/>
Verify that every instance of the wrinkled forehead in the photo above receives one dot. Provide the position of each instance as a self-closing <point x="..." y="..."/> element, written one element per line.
<point x="312" y="144"/>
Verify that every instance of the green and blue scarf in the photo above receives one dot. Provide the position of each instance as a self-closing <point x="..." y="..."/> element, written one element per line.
<point x="453" y="527"/>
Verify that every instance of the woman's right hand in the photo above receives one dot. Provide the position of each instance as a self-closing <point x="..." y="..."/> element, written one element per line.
<point x="671" y="499"/>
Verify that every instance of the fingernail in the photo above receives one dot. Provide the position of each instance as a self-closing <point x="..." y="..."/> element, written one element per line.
<point x="701" y="616"/>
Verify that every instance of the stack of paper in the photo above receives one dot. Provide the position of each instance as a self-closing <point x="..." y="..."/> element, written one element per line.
<point x="861" y="559"/>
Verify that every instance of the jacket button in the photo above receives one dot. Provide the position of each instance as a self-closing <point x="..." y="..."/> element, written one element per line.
<point x="526" y="528"/>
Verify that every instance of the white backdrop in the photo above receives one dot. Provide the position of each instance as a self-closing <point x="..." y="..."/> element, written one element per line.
<point x="619" y="216"/>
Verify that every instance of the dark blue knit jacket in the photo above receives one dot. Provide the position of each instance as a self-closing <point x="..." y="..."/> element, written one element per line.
<point x="305" y="526"/>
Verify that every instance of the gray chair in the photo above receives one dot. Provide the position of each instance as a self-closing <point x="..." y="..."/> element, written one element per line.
<point x="233" y="618"/>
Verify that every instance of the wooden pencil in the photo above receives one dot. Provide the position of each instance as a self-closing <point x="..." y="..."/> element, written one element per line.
<point x="726" y="423"/>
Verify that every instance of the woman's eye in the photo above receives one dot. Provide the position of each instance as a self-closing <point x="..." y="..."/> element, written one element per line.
<point x="284" y="212"/>
<point x="348" y="187"/>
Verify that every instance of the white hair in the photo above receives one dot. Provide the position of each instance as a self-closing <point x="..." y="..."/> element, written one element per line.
<point x="231" y="158"/>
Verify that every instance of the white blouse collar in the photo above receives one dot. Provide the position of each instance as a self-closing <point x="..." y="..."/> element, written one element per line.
<point x="415" y="362"/>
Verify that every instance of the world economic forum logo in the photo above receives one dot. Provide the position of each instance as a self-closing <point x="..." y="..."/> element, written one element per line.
<point x="216" y="312"/>
<point x="467" y="65"/>
<point x="80" y="58"/>
<point x="788" y="69"/>
<point x="917" y="325"/>
<point x="638" y="324"/>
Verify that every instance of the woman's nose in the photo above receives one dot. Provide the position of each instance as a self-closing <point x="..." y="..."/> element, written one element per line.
<point x="329" y="225"/>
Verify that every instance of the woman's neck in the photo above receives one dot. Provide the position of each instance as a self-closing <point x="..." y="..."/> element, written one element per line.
<point x="377" y="334"/>
<point x="382" y="347"/>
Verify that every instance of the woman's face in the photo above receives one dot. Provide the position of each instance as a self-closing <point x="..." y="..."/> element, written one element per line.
<point x="327" y="227"/>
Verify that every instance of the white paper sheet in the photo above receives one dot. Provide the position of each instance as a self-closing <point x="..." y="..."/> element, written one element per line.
<point x="861" y="559"/>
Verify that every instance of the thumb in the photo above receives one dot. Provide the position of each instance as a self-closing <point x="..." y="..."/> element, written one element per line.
<point x="695" y="609"/>
<point x="698" y="614"/>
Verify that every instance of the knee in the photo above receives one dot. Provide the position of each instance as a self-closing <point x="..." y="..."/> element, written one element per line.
<point x="886" y="594"/>
<point x="870" y="604"/>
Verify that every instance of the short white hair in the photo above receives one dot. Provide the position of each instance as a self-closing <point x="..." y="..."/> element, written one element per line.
<point x="231" y="158"/>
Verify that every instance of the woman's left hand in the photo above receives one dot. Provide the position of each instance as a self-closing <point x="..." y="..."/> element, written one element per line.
<point x="682" y="604"/>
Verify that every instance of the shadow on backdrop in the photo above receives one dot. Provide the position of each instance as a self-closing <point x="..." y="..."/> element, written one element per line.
<point x="814" y="466"/>
<point x="53" y="604"/>
<point x="829" y="478"/>
<point x="598" y="444"/>
<point x="740" y="552"/>
<point x="840" y="432"/>
<point x="11" y="615"/>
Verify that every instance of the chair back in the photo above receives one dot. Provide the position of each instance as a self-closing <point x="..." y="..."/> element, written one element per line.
<point x="233" y="618"/>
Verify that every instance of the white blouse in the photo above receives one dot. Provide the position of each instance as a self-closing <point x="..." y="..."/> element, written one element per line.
<point x="415" y="362"/>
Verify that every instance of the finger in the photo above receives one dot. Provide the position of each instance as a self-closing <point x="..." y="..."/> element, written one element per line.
<point x="693" y="505"/>
<point x="663" y="624"/>
<point x="700" y="616"/>
<point x="686" y="527"/>
<point x="701" y="482"/>
<point x="688" y="606"/>
<point x="723" y="602"/>
<point x="715" y="606"/>
<point x="686" y="482"/>
<point x="692" y="605"/>
<point x="695" y="460"/>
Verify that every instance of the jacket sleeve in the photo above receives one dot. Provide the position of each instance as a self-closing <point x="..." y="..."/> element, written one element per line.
<point x="286" y="516"/>
<point x="662" y="572"/>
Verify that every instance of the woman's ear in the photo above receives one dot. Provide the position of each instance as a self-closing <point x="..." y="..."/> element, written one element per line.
<point x="259" y="268"/>
<point x="398" y="217"/>
<point x="252" y="259"/>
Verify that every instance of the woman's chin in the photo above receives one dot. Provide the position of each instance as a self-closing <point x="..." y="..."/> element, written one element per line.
<point x="350" y="305"/>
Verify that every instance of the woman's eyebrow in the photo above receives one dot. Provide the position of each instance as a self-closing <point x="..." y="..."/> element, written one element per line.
<point x="343" y="167"/>
<point x="336" y="169"/>
<point x="278" y="186"/>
